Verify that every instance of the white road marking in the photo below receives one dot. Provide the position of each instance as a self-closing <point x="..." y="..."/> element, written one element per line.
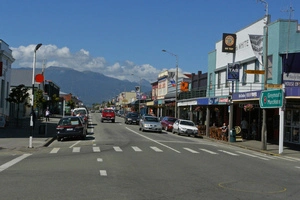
<point x="118" y="149"/>
<point x="103" y="172"/>
<point x="211" y="152"/>
<point x="156" y="149"/>
<point x="254" y="156"/>
<point x="76" y="149"/>
<point x="191" y="150"/>
<point x="153" y="140"/>
<point x="54" y="150"/>
<point x="136" y="149"/>
<point x="74" y="144"/>
<point x="233" y="154"/>
<point x="96" y="149"/>
<point x="12" y="162"/>
<point x="99" y="160"/>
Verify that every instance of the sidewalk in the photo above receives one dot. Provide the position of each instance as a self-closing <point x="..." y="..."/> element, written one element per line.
<point x="17" y="138"/>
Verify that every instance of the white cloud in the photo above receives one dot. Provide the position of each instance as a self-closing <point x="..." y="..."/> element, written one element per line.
<point x="52" y="55"/>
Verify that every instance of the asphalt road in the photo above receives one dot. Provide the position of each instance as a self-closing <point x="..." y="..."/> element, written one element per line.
<point x="118" y="161"/>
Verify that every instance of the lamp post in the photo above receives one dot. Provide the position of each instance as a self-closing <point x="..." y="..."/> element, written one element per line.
<point x="33" y="81"/>
<point x="139" y="91"/>
<point x="176" y="79"/>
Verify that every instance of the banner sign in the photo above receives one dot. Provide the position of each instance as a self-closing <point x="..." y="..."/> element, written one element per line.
<point x="233" y="72"/>
<point x="229" y="43"/>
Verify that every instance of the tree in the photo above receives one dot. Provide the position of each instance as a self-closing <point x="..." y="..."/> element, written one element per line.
<point x="39" y="99"/>
<point x="18" y="95"/>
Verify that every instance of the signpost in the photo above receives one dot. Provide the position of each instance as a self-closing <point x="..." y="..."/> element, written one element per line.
<point x="255" y="71"/>
<point x="271" y="99"/>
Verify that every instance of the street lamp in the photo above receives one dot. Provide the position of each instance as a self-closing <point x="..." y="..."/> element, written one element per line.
<point x="33" y="81"/>
<point x="176" y="79"/>
<point x="139" y="91"/>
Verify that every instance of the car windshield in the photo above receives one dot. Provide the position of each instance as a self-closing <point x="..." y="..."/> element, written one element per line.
<point x="151" y="119"/>
<point x="188" y="123"/>
<point x="133" y="115"/>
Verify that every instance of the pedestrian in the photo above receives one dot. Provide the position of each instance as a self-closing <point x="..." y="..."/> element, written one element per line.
<point x="253" y="129"/>
<point x="224" y="131"/>
<point x="244" y="127"/>
<point x="47" y="115"/>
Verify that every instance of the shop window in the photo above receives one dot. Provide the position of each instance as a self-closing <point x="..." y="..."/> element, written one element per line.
<point x="287" y="134"/>
<point x="295" y="135"/>
<point x="296" y="118"/>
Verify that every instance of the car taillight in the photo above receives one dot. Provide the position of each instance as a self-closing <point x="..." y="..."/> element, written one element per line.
<point x="59" y="128"/>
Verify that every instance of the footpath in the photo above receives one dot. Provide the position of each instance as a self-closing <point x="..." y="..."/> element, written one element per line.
<point x="17" y="138"/>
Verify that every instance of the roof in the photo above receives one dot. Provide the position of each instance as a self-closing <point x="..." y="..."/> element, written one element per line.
<point x="22" y="76"/>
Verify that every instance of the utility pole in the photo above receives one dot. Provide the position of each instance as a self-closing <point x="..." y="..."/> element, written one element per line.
<point x="265" y="63"/>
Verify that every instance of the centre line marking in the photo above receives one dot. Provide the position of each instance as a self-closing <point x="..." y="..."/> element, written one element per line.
<point x="153" y="140"/>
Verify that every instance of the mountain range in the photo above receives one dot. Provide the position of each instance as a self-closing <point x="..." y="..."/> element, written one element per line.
<point x="91" y="87"/>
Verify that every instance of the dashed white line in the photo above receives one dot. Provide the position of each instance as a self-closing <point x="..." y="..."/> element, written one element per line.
<point x="230" y="153"/>
<point x="136" y="149"/>
<point x="211" y="152"/>
<point x="254" y="156"/>
<point x="117" y="149"/>
<point x="12" y="162"/>
<point x="96" y="149"/>
<point x="54" y="150"/>
<point x="191" y="150"/>
<point x="103" y="172"/>
<point x="156" y="149"/>
<point x="76" y="149"/>
<point x="99" y="160"/>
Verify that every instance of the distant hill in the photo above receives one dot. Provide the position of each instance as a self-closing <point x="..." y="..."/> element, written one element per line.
<point x="91" y="87"/>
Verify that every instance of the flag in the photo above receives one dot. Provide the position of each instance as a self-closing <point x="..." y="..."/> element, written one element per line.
<point x="171" y="78"/>
<point x="257" y="46"/>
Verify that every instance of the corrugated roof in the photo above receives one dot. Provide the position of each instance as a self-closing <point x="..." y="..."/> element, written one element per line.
<point x="22" y="76"/>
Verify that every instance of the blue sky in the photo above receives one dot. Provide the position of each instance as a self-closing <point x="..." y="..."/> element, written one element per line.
<point x="123" y="37"/>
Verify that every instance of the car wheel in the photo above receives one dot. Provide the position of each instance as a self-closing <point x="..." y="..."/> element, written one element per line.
<point x="178" y="133"/>
<point x="173" y="131"/>
<point x="113" y="121"/>
<point x="58" y="139"/>
<point x="101" y="121"/>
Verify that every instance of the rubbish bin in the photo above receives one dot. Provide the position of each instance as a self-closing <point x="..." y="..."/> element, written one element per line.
<point x="232" y="135"/>
<point x="42" y="129"/>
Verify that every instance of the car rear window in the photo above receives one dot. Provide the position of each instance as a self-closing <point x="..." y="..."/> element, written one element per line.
<point x="108" y="110"/>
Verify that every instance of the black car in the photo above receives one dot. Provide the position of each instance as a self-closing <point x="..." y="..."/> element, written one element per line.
<point x="132" y="118"/>
<point x="71" y="126"/>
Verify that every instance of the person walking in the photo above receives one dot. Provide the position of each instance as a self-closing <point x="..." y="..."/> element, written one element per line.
<point x="224" y="131"/>
<point x="47" y="115"/>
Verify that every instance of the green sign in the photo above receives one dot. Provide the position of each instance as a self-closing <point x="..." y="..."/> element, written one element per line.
<point x="271" y="99"/>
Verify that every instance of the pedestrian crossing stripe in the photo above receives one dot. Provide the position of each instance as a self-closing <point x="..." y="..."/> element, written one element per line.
<point x="156" y="149"/>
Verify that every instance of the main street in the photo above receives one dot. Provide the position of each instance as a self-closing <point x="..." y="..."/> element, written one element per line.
<point x="117" y="161"/>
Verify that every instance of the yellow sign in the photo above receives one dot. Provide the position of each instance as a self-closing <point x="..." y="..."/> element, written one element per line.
<point x="274" y="86"/>
<point x="255" y="71"/>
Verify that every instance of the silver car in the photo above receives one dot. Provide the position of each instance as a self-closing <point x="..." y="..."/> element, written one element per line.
<point x="150" y="123"/>
<point x="185" y="127"/>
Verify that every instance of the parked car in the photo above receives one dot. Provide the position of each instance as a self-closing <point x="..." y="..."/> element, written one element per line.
<point x="81" y="112"/>
<point x="167" y="123"/>
<point x="108" y="114"/>
<point x="185" y="127"/>
<point x="71" y="126"/>
<point x="132" y="118"/>
<point x="150" y="123"/>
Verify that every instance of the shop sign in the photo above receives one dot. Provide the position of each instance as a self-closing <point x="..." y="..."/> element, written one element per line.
<point x="271" y="99"/>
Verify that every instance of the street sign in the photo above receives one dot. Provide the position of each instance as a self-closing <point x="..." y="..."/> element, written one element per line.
<point x="255" y="71"/>
<point x="271" y="99"/>
<point x="275" y="86"/>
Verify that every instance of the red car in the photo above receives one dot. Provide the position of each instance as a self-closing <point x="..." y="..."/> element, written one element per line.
<point x="167" y="123"/>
